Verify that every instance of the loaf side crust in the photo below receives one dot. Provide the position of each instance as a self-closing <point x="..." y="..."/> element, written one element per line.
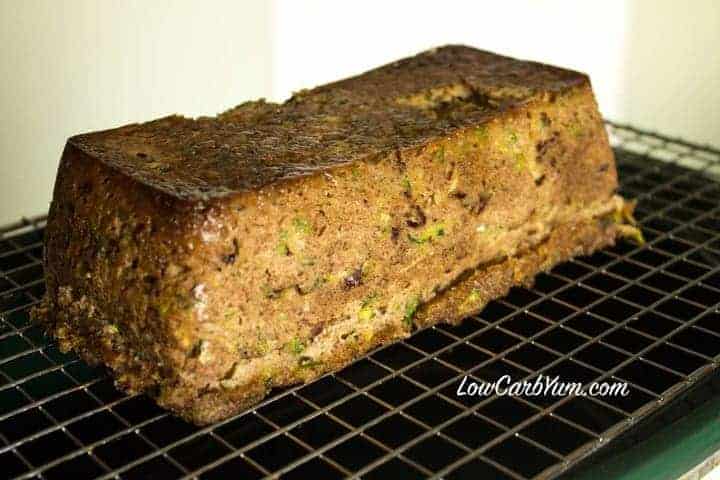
<point x="467" y="297"/>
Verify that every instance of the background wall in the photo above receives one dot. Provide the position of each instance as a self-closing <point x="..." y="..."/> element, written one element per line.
<point x="653" y="63"/>
<point x="81" y="65"/>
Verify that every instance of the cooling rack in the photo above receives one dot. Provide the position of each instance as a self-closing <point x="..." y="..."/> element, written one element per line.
<point x="645" y="315"/>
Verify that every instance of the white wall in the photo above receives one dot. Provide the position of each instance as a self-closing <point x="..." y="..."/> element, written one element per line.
<point x="81" y="65"/>
<point x="671" y="74"/>
<point x="316" y="41"/>
<point x="653" y="63"/>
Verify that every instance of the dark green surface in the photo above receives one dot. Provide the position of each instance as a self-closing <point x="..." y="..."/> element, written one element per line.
<point x="669" y="454"/>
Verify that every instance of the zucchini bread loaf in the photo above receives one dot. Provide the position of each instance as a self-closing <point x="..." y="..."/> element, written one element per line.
<point x="206" y="261"/>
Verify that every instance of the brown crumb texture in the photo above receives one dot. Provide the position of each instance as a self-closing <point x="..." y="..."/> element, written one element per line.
<point x="208" y="261"/>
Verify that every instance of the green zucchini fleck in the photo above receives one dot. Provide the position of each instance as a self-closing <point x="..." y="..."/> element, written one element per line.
<point x="296" y="346"/>
<point x="481" y="133"/>
<point x="385" y="222"/>
<point x="428" y="234"/>
<point x="308" y="362"/>
<point x="633" y="234"/>
<point x="474" y="296"/>
<point x="302" y="226"/>
<point x="576" y="129"/>
<point x="307" y="261"/>
<point x="410" y="309"/>
<point x="626" y="223"/>
<point x="282" y="246"/>
<point x="269" y="292"/>
<point x="163" y="308"/>
<point x="407" y="188"/>
<point x="367" y="307"/>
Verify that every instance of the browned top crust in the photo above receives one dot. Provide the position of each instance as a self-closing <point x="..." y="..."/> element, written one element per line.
<point x="400" y="105"/>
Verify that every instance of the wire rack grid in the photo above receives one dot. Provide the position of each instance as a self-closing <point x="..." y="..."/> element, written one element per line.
<point x="645" y="315"/>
